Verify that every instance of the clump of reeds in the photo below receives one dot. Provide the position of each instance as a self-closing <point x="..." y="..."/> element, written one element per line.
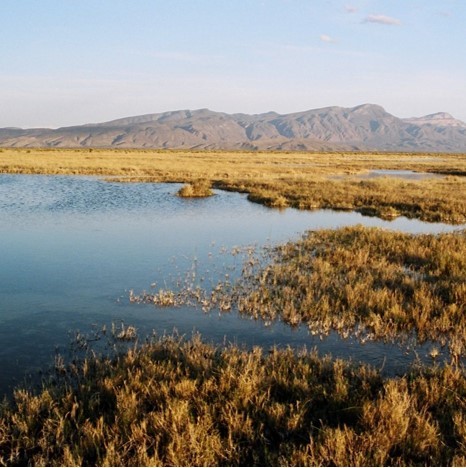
<point x="128" y="333"/>
<point x="214" y="288"/>
<point x="198" y="189"/>
<point x="185" y="403"/>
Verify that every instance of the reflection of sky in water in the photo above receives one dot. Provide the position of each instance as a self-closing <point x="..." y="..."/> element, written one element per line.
<point x="71" y="248"/>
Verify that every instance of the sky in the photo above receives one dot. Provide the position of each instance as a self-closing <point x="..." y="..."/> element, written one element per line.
<point x="70" y="62"/>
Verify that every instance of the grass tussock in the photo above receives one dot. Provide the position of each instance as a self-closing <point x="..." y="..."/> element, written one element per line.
<point x="378" y="283"/>
<point x="185" y="403"/>
<point x="200" y="189"/>
<point x="300" y="180"/>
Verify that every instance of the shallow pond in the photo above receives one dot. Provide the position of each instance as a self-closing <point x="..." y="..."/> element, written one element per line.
<point x="73" y="247"/>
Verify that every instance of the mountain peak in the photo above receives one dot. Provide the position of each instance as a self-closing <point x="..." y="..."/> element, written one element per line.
<point x="438" y="119"/>
<point x="440" y="115"/>
<point x="369" y="108"/>
<point x="368" y="105"/>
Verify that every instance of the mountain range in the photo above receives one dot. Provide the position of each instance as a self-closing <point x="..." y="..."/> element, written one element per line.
<point x="364" y="127"/>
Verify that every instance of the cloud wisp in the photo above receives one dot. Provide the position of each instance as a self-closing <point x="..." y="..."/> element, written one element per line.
<point x="382" y="19"/>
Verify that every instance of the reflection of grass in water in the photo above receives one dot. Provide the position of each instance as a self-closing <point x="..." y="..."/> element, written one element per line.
<point x="187" y="403"/>
<point x="301" y="180"/>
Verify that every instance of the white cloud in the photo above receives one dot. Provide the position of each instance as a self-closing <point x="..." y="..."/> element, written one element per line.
<point x="382" y="19"/>
<point x="325" y="38"/>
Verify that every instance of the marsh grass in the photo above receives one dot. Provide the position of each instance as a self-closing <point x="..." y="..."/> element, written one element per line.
<point x="371" y="282"/>
<point x="386" y="198"/>
<point x="366" y="282"/>
<point x="300" y="180"/>
<point x="199" y="189"/>
<point x="183" y="402"/>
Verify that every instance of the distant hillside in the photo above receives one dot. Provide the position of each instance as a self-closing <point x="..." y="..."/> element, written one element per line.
<point x="365" y="127"/>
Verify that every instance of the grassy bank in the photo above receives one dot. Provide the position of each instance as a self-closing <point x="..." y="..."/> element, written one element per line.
<point x="373" y="282"/>
<point x="301" y="180"/>
<point x="365" y="282"/>
<point x="175" y="402"/>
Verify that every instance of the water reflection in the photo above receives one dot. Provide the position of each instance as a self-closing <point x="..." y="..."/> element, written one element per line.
<point x="73" y="247"/>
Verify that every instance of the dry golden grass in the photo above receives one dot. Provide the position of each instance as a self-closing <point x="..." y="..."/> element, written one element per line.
<point x="185" y="403"/>
<point x="365" y="282"/>
<point x="301" y="180"/>
<point x="200" y="189"/>
<point x="375" y="283"/>
<point x="388" y="283"/>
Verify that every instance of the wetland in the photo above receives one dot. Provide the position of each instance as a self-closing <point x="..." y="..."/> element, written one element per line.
<point x="88" y="261"/>
<point x="74" y="247"/>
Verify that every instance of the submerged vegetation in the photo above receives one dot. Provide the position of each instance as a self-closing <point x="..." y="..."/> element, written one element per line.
<point x="186" y="403"/>
<point x="300" y="180"/>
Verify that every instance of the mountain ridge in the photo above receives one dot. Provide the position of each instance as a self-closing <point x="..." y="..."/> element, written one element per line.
<point x="363" y="127"/>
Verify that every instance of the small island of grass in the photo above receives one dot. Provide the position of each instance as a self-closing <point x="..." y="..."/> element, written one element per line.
<point x="199" y="189"/>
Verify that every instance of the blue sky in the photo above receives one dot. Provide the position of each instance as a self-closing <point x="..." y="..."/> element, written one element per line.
<point x="66" y="62"/>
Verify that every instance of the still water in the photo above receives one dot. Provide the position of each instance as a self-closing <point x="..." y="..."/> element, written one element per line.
<point x="71" y="249"/>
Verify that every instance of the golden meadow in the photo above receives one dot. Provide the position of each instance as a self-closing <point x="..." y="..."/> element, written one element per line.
<point x="172" y="401"/>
